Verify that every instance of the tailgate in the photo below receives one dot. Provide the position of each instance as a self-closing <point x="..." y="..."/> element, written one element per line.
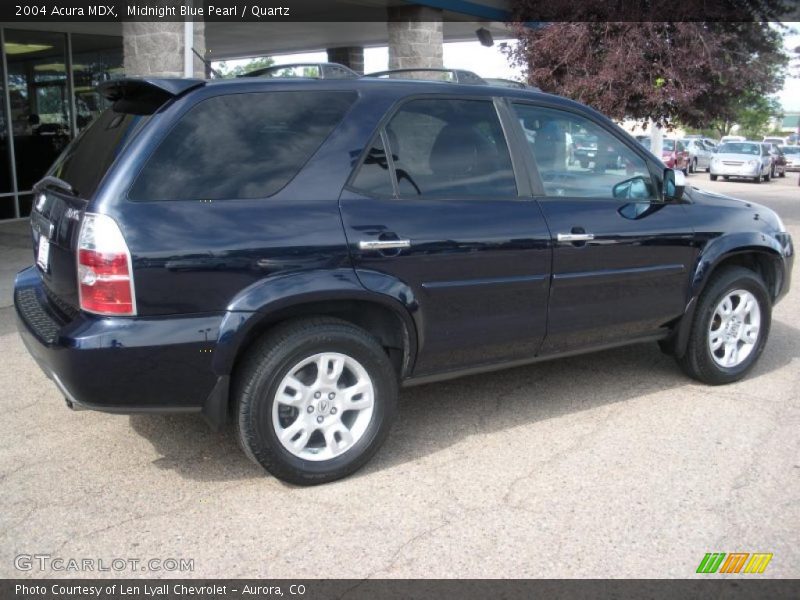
<point x="55" y="221"/>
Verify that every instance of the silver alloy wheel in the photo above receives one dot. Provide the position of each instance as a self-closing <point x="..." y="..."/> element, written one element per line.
<point x="323" y="406"/>
<point x="733" y="332"/>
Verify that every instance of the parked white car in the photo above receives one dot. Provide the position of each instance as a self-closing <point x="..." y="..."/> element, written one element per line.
<point x="699" y="155"/>
<point x="732" y="138"/>
<point x="746" y="160"/>
<point x="780" y="141"/>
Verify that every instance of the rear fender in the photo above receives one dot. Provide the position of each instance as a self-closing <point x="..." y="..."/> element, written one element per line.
<point x="258" y="305"/>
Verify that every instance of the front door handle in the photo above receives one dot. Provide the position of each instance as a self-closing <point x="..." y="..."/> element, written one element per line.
<point x="384" y="244"/>
<point x="575" y="237"/>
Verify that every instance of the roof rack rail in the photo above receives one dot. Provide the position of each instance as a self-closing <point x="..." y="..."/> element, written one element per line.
<point x="309" y="70"/>
<point x="448" y="75"/>
<point x="511" y="83"/>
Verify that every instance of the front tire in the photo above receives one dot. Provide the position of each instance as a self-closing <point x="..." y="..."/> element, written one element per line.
<point x="315" y="400"/>
<point x="730" y="327"/>
<point x="713" y="177"/>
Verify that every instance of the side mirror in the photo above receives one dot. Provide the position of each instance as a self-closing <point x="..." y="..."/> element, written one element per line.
<point x="631" y="189"/>
<point x="674" y="183"/>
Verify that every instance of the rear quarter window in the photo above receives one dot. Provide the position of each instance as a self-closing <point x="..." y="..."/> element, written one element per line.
<point x="240" y="146"/>
<point x="85" y="161"/>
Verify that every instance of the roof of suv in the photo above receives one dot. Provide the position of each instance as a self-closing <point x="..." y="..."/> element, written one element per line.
<point x="116" y="89"/>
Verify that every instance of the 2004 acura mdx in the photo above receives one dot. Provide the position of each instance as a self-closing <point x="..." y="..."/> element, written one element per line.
<point x="286" y="254"/>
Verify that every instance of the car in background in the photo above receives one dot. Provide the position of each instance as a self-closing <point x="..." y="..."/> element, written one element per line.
<point x="675" y="155"/>
<point x="710" y="144"/>
<point x="774" y="140"/>
<point x="511" y="83"/>
<point x="306" y="71"/>
<point x="778" y="160"/>
<point x="699" y="154"/>
<point x="745" y="160"/>
<point x="732" y="138"/>
<point x="792" y="155"/>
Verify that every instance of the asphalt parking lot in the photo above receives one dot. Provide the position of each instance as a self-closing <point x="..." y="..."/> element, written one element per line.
<point x="606" y="465"/>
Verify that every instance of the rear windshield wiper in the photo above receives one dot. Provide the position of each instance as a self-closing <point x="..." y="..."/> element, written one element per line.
<point x="55" y="182"/>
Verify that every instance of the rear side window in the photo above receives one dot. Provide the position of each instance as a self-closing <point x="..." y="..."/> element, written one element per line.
<point x="85" y="161"/>
<point x="442" y="148"/>
<point x="240" y="146"/>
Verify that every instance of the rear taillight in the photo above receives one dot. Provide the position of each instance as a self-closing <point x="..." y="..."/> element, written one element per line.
<point x="105" y="276"/>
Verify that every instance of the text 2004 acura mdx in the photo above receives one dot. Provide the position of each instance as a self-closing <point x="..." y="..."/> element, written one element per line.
<point x="285" y="254"/>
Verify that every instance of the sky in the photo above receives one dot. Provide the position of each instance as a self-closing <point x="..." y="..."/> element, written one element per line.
<point x="490" y="62"/>
<point x="790" y="96"/>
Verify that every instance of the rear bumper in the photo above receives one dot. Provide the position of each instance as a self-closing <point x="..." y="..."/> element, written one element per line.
<point x="125" y="364"/>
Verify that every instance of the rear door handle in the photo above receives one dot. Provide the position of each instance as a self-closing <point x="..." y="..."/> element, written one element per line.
<point x="384" y="244"/>
<point x="575" y="237"/>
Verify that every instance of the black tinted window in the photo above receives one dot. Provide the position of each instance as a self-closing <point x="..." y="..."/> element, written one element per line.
<point x="373" y="177"/>
<point x="240" y="145"/>
<point x="85" y="161"/>
<point x="452" y="148"/>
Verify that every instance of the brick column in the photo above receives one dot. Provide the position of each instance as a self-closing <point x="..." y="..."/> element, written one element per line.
<point x="415" y="37"/>
<point x="349" y="56"/>
<point x="156" y="49"/>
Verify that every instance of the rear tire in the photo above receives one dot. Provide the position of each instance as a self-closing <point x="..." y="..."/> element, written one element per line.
<point x="713" y="177"/>
<point x="734" y="338"/>
<point x="315" y="400"/>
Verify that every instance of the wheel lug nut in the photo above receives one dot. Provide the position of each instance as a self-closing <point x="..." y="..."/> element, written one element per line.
<point x="310" y="409"/>
<point x="317" y="395"/>
<point x="319" y="419"/>
<point x="333" y="410"/>
<point x="331" y="396"/>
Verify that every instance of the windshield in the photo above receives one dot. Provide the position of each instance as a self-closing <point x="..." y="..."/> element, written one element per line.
<point x="739" y="148"/>
<point x="669" y="145"/>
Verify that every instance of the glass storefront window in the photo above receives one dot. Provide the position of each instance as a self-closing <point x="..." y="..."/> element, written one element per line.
<point x="95" y="59"/>
<point x="40" y="107"/>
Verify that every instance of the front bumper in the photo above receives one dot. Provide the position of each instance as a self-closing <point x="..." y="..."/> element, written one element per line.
<point x="118" y="364"/>
<point x="745" y="170"/>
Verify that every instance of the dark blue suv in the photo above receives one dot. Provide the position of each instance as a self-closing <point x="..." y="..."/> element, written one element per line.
<point x="285" y="254"/>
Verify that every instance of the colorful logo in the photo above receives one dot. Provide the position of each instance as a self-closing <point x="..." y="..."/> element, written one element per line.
<point x="713" y="562"/>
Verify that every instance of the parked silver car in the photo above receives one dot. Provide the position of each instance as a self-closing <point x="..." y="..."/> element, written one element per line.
<point x="699" y="154"/>
<point x="747" y="160"/>
<point x="792" y="154"/>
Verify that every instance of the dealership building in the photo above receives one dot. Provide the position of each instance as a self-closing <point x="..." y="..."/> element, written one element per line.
<point x="49" y="71"/>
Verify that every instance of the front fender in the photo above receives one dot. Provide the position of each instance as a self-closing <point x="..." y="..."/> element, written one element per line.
<point x="713" y="254"/>
<point x="258" y="302"/>
<point x="723" y="247"/>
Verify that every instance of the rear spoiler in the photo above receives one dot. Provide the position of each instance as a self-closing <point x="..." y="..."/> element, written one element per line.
<point x="144" y="96"/>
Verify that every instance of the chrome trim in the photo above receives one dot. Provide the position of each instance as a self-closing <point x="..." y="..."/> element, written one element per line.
<point x="575" y="237"/>
<point x="383" y="244"/>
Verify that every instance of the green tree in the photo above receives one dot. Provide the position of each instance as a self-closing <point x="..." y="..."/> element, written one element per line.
<point x="752" y="113"/>
<point x="239" y="70"/>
